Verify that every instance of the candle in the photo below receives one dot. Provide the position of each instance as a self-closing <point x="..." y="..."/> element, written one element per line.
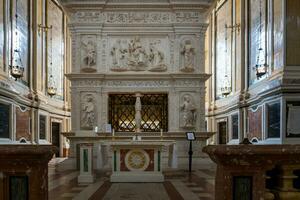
<point x="161" y="132"/>
<point x="96" y="129"/>
<point x="113" y="132"/>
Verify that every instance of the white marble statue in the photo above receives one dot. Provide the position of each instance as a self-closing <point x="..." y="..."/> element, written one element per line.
<point x="88" y="112"/>
<point x="188" y="112"/>
<point x="188" y="56"/>
<point x="156" y="58"/>
<point x="90" y="53"/>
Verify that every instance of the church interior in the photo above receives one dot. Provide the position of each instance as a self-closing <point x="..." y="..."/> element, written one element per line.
<point x="149" y="99"/>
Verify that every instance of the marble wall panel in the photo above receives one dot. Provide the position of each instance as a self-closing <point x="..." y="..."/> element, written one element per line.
<point x="255" y="123"/>
<point x="257" y="37"/>
<point x="223" y="46"/>
<point x="55" y="50"/>
<point x="292" y="33"/>
<point x="278" y="34"/>
<point x="22" y="124"/>
<point x="274" y="120"/>
<point x="4" y="120"/>
<point x="1" y="33"/>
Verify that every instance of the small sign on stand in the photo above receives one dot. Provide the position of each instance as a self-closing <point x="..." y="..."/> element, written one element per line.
<point x="190" y="136"/>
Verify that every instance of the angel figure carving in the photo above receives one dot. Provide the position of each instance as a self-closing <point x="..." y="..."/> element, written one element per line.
<point x="188" y="110"/>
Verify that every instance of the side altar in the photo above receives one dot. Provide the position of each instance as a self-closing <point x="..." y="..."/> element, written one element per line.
<point x="138" y="161"/>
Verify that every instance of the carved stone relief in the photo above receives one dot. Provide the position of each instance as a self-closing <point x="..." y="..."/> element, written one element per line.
<point x="187" y="52"/>
<point x="88" y="53"/>
<point x="138" y="55"/>
<point x="187" y="111"/>
<point x="136" y="17"/>
<point x="88" y="111"/>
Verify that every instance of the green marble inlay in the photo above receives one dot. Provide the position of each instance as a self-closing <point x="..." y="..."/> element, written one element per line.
<point x="85" y="160"/>
<point x="158" y="160"/>
<point x="115" y="161"/>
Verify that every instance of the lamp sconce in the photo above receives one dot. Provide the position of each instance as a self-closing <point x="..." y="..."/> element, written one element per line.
<point x="43" y="28"/>
<point x="236" y="27"/>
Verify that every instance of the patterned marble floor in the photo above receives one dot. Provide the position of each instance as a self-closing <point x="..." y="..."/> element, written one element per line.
<point x="178" y="185"/>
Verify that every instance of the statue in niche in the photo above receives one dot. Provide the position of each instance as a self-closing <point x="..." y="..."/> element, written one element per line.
<point x="188" y="54"/>
<point x="88" y="112"/>
<point x="188" y="112"/>
<point x="137" y="56"/>
<point x="89" y="58"/>
<point x="156" y="58"/>
<point x="119" y="57"/>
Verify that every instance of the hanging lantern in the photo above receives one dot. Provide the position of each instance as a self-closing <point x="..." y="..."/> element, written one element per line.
<point x="226" y="88"/>
<point x="51" y="87"/>
<point x="261" y="66"/>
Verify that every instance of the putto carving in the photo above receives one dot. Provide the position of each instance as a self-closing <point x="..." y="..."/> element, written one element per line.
<point x="188" y="56"/>
<point x="188" y="112"/>
<point x="134" y="56"/>
<point x="88" y="110"/>
<point x="88" y="54"/>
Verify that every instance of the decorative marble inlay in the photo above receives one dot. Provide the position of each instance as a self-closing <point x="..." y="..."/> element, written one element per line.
<point x="137" y="160"/>
<point x="255" y="123"/>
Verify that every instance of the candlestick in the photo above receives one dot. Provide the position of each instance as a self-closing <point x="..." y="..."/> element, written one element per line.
<point x="113" y="133"/>
<point x="161" y="133"/>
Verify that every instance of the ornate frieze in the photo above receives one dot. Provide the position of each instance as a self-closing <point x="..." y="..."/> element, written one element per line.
<point x="137" y="17"/>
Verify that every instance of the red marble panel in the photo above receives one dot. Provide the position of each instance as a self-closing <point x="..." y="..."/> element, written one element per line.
<point x="22" y="124"/>
<point x="255" y="123"/>
<point x="123" y="153"/>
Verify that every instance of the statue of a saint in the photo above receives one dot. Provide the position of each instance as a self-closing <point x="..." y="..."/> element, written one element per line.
<point x="188" y="52"/>
<point x="188" y="112"/>
<point x="90" y="53"/>
<point x="137" y="55"/>
<point x="88" y="112"/>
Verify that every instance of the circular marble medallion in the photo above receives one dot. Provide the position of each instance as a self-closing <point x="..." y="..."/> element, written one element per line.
<point x="137" y="160"/>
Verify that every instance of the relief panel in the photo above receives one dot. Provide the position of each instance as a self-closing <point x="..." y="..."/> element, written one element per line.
<point x="88" y="53"/>
<point x="139" y="54"/>
<point x="188" y="111"/>
<point x="55" y="46"/>
<point x="87" y="110"/>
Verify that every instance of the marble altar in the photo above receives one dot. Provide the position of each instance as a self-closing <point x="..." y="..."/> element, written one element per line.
<point x="138" y="161"/>
<point x="122" y="50"/>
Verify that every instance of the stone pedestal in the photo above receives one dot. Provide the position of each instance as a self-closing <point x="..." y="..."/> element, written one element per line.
<point x="24" y="171"/>
<point x="86" y="164"/>
<point x="241" y="171"/>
